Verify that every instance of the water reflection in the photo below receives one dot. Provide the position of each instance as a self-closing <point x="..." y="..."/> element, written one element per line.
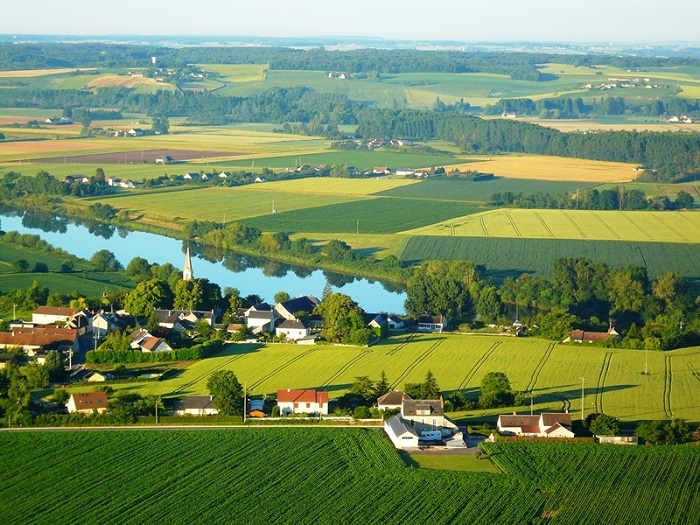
<point x="250" y="274"/>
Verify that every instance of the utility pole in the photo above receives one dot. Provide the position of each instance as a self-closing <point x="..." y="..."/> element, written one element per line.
<point x="646" y="360"/>
<point x="583" y="393"/>
<point x="245" y="401"/>
<point x="157" y="400"/>
<point x="358" y="226"/>
<point x="531" y="396"/>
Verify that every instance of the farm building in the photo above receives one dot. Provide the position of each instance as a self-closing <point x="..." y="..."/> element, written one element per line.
<point x="581" y="336"/>
<point x="434" y="323"/>
<point x="302" y="402"/>
<point x="392" y="400"/>
<point x="37" y="341"/>
<point x="422" y="421"/>
<point x="292" y="330"/>
<point x="550" y="425"/>
<point x="195" y="406"/>
<point x="87" y="403"/>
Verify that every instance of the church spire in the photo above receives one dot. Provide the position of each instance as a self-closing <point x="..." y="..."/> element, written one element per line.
<point x="187" y="274"/>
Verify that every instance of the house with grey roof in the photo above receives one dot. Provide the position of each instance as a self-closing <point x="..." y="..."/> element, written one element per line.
<point x="548" y="424"/>
<point x="195" y="406"/>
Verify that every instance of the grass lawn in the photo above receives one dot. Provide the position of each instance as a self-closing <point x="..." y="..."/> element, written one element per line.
<point x="454" y="462"/>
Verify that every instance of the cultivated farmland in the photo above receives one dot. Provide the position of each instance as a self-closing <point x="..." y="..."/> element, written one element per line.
<point x="327" y="475"/>
<point x="638" y="226"/>
<point x="551" y="371"/>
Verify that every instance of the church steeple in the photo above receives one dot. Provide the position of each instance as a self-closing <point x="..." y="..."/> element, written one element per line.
<point x="187" y="274"/>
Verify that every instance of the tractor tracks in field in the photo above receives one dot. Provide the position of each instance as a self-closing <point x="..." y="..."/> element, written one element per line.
<point x="536" y="372"/>
<point x="512" y="223"/>
<point x="544" y="224"/>
<point x="669" y="227"/>
<point x="668" y="377"/>
<point x="694" y="371"/>
<point x="280" y="368"/>
<point x="479" y="362"/>
<point x="396" y="350"/>
<point x="483" y="226"/>
<point x="573" y="223"/>
<point x="343" y="368"/>
<point x="600" y="388"/>
<point x="207" y="373"/>
<point x="638" y="227"/>
<point x="607" y="226"/>
<point x="418" y="360"/>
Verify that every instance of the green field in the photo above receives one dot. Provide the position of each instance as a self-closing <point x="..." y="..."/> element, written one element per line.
<point x="329" y="476"/>
<point x="466" y="190"/>
<point x="88" y="284"/>
<point x="503" y="256"/>
<point x="551" y="371"/>
<point x="638" y="226"/>
<point x="378" y="215"/>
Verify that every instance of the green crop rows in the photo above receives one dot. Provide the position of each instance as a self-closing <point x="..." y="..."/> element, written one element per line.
<point x="607" y="484"/>
<point x="380" y="215"/>
<point x="517" y="256"/>
<point x="328" y="475"/>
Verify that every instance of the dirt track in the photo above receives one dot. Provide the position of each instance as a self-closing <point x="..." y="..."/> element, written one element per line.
<point x="136" y="156"/>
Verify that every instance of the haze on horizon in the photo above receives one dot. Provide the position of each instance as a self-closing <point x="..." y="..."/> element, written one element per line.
<point x="644" y="21"/>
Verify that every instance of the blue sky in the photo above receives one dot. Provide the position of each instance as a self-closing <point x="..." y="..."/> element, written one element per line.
<point x="465" y="20"/>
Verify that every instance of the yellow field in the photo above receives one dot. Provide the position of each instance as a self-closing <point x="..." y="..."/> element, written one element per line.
<point x="542" y="167"/>
<point x="588" y="125"/>
<point x="636" y="226"/>
<point x="238" y="73"/>
<point x="31" y="73"/>
<point x="124" y="81"/>
<point x="330" y="186"/>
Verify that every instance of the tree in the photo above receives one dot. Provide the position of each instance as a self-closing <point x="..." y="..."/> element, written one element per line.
<point x="228" y="392"/>
<point x="364" y="387"/>
<point x="382" y="386"/>
<point x="37" y="375"/>
<point x="54" y="364"/>
<point x="685" y="200"/>
<point x="21" y="265"/>
<point x="650" y="432"/>
<point x="441" y="288"/>
<point x="281" y="297"/>
<point x="188" y="294"/>
<point x="105" y="261"/>
<point x="430" y="388"/>
<point x="160" y="125"/>
<point x="138" y="268"/>
<point x="147" y="296"/>
<point x="495" y="391"/>
<point x="343" y="321"/>
<point x="604" y="425"/>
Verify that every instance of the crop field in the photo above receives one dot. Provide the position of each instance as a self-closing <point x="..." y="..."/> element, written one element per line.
<point x="360" y="159"/>
<point x="238" y="73"/>
<point x="542" y="167"/>
<point x="327" y="475"/>
<point x="31" y="73"/>
<point x="89" y="284"/>
<point x="459" y="189"/>
<point x="376" y="215"/>
<point x="334" y="186"/>
<point x="513" y="257"/>
<point x="639" y="226"/>
<point x="601" y="124"/>
<point x="552" y="372"/>
<point x="215" y="203"/>
<point x="606" y="483"/>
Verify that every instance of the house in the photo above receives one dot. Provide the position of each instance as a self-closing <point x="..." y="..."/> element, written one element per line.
<point x="37" y="341"/>
<point x="57" y="314"/>
<point x="289" y="309"/>
<point x="155" y="344"/>
<point x="434" y="323"/>
<point x="395" y="322"/>
<point x="422" y="421"/>
<point x="260" y="319"/>
<point x="548" y="425"/>
<point x="581" y="336"/>
<point x="135" y="132"/>
<point x="401" y="434"/>
<point x="257" y="408"/>
<point x="191" y="175"/>
<point x="392" y="400"/>
<point x="165" y="159"/>
<point x="509" y="114"/>
<point x="292" y="330"/>
<point x="405" y="172"/>
<point x="88" y="403"/>
<point x="224" y="174"/>
<point x="302" y="402"/>
<point x="60" y="121"/>
<point x="377" y="321"/>
<point x="195" y="406"/>
<point x="181" y="320"/>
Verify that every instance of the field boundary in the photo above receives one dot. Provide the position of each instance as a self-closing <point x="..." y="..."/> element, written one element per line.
<point x="602" y="377"/>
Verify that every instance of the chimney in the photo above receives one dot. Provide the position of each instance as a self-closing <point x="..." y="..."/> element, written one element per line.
<point x="442" y="402"/>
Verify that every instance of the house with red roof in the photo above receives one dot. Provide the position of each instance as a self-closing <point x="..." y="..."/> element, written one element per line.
<point x="302" y="402"/>
<point x="88" y="403"/>
<point x="549" y="425"/>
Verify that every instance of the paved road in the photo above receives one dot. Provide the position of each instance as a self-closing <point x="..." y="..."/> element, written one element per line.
<point x="175" y="427"/>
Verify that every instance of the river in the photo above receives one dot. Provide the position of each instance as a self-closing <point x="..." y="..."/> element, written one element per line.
<point x="250" y="275"/>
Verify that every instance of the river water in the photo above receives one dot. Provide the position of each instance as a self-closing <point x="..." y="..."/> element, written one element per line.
<point x="250" y="275"/>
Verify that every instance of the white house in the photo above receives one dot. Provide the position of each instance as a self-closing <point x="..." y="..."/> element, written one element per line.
<point x="195" y="406"/>
<point x="292" y="330"/>
<point x="87" y="403"/>
<point x="260" y="321"/>
<point x="302" y="402"/>
<point x="392" y="400"/>
<point x="549" y="425"/>
<point x="56" y="314"/>
<point x="401" y="434"/>
<point x="290" y="308"/>
<point x="435" y="323"/>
